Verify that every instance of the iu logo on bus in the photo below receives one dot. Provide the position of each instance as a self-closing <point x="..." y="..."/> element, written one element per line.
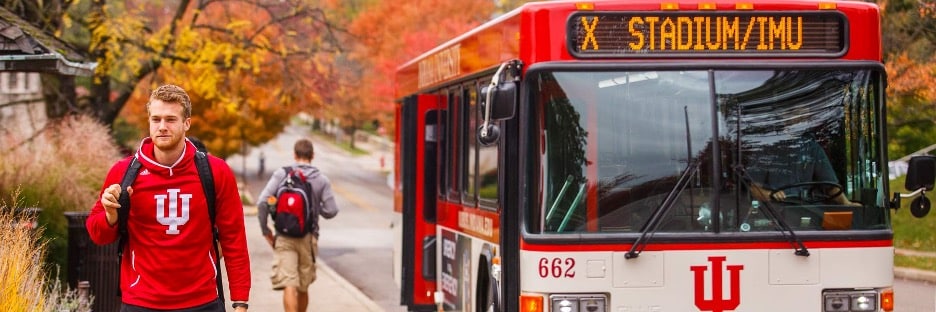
<point x="718" y="302"/>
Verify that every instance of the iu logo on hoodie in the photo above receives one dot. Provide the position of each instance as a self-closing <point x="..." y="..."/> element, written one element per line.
<point x="176" y="215"/>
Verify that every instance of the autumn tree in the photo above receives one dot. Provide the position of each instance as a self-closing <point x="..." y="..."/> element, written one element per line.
<point x="384" y="34"/>
<point x="239" y="60"/>
<point x="909" y="30"/>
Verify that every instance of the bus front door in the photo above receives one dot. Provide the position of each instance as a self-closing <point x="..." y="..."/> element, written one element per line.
<point x="419" y="135"/>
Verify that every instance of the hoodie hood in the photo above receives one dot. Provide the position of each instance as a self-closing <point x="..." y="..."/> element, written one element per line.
<point x="147" y="157"/>
<point x="308" y="171"/>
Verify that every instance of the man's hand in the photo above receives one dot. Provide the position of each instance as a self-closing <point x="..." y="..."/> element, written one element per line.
<point x="240" y="309"/>
<point x="109" y="201"/>
<point x="762" y="194"/>
<point x="270" y="239"/>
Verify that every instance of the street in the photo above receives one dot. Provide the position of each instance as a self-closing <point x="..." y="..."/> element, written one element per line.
<point x="357" y="244"/>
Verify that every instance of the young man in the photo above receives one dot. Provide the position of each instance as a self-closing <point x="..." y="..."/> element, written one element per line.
<point x="168" y="261"/>
<point x="294" y="257"/>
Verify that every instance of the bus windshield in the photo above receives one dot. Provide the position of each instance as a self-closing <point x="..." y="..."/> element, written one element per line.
<point x="709" y="150"/>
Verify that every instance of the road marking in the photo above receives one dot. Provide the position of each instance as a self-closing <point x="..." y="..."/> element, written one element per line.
<point x="351" y="198"/>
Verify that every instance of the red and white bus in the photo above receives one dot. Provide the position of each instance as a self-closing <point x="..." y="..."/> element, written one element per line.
<point x="648" y="155"/>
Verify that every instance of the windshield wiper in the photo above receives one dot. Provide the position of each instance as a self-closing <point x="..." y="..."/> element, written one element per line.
<point x="653" y="223"/>
<point x="798" y="246"/>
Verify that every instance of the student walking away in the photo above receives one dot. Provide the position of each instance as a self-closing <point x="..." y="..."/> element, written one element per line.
<point x="167" y="206"/>
<point x="295" y="197"/>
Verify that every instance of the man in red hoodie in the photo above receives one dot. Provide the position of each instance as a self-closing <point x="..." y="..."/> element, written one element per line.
<point x="169" y="258"/>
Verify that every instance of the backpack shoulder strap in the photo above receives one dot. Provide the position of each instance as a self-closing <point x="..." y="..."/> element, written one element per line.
<point x="312" y="205"/>
<point x="124" y="212"/>
<point x="207" y="182"/>
<point x="203" y="166"/>
<point x="133" y="169"/>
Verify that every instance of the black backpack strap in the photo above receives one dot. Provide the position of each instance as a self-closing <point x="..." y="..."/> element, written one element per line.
<point x="289" y="172"/>
<point x="124" y="212"/>
<point x="312" y="213"/>
<point x="208" y="185"/>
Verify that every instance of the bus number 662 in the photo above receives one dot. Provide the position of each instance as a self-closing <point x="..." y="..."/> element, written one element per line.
<point x="557" y="267"/>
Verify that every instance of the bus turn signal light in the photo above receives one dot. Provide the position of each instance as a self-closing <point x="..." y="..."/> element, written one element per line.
<point x="585" y="6"/>
<point x="744" y="6"/>
<point x="827" y="5"/>
<point x="887" y="300"/>
<point x="531" y="303"/>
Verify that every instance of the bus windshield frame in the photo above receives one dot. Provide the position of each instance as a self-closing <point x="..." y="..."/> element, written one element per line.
<point x="801" y="142"/>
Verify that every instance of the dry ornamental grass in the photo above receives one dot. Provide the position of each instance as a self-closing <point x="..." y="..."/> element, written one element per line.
<point x="21" y="276"/>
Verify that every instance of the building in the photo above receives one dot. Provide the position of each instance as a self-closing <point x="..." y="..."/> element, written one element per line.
<point x="25" y="52"/>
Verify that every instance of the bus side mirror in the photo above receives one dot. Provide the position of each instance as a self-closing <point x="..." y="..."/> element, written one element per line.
<point x="498" y="102"/>
<point x="503" y="100"/>
<point x="921" y="176"/>
<point x="921" y="173"/>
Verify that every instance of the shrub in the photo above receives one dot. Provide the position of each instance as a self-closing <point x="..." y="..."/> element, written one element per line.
<point x="58" y="169"/>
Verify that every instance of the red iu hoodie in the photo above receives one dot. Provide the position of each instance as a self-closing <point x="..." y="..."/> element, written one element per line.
<point x="168" y="262"/>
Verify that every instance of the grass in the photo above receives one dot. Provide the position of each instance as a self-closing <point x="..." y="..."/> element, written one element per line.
<point x="24" y="286"/>
<point x="911" y="232"/>
<point x="922" y="263"/>
<point x="344" y="144"/>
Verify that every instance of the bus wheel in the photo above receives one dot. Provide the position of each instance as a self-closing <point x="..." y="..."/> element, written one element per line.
<point x="486" y="290"/>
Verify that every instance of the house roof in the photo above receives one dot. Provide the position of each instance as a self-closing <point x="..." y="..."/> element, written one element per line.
<point x="26" y="48"/>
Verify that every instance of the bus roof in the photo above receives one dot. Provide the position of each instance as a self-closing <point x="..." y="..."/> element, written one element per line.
<point x="537" y="32"/>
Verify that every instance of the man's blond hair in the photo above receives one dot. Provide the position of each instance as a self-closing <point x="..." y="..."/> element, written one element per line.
<point x="172" y="94"/>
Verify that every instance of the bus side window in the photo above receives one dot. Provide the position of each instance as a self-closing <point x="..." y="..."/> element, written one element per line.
<point x="487" y="158"/>
<point x="444" y="148"/>
<point x="470" y="97"/>
<point x="455" y="155"/>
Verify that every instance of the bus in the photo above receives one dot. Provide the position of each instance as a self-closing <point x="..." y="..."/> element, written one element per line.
<point x="650" y="155"/>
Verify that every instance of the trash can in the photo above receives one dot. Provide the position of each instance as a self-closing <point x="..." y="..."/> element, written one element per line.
<point x="93" y="263"/>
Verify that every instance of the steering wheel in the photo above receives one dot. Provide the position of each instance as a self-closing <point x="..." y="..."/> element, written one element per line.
<point x="815" y="192"/>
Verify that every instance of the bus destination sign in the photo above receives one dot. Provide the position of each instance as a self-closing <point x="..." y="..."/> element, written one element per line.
<point x="712" y="34"/>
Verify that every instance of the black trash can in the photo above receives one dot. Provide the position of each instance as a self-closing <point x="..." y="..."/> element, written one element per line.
<point x="90" y="262"/>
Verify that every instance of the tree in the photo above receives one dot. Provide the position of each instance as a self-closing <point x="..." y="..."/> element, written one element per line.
<point x="909" y="35"/>
<point x="233" y="57"/>
<point x="385" y="34"/>
<point x="911" y="95"/>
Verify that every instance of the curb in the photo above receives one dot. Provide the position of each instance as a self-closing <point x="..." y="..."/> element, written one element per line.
<point x="915" y="274"/>
<point x="354" y="291"/>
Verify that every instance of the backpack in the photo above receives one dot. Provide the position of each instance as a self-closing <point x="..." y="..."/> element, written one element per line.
<point x="291" y="208"/>
<point x="207" y="182"/>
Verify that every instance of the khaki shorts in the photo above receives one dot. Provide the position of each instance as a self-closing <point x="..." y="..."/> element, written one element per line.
<point x="294" y="262"/>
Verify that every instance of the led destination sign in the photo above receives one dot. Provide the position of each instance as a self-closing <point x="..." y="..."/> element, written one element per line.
<point x="637" y="34"/>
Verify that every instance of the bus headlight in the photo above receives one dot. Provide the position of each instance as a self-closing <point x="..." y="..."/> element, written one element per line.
<point x="849" y="300"/>
<point x="579" y="303"/>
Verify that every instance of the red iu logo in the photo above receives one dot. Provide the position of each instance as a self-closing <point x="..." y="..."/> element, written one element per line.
<point x="718" y="303"/>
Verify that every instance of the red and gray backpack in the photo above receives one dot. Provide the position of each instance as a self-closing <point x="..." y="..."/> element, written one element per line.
<point x="293" y="210"/>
